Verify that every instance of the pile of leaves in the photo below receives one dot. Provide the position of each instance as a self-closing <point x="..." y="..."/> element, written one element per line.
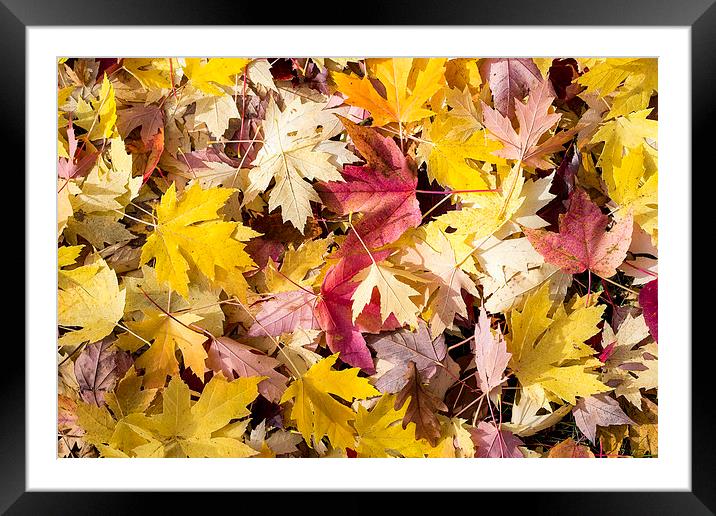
<point x="357" y="257"/>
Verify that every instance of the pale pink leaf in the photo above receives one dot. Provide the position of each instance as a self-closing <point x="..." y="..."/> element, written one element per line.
<point x="491" y="356"/>
<point x="598" y="410"/>
<point x="284" y="313"/>
<point x="491" y="442"/>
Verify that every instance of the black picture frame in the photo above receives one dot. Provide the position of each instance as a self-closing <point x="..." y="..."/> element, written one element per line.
<point x="700" y="15"/>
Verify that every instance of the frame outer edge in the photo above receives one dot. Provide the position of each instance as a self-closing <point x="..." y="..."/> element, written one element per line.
<point x="12" y="379"/>
<point x="703" y="77"/>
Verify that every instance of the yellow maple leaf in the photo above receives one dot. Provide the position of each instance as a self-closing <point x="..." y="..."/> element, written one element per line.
<point x="109" y="187"/>
<point x="381" y="434"/>
<point x="634" y="81"/>
<point x="128" y="396"/>
<point x="67" y="255"/>
<point x="448" y="154"/>
<point x="101" y="121"/>
<point x="216" y="70"/>
<point x="316" y="412"/>
<point x="190" y="232"/>
<point x="169" y="332"/>
<point x="408" y="83"/>
<point x="297" y="262"/>
<point x="182" y="429"/>
<point x="629" y="188"/>
<point x="152" y="73"/>
<point x="463" y="73"/>
<point x="627" y="132"/>
<point x="88" y="297"/>
<point x="549" y="354"/>
<point x="455" y="440"/>
<point x="484" y="213"/>
<point x="394" y="294"/>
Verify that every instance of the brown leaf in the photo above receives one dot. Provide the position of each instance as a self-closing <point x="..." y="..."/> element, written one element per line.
<point x="644" y="434"/>
<point x="569" y="449"/>
<point x="422" y="408"/>
<point x="403" y="346"/>
<point x="97" y="369"/>
<point x="510" y="79"/>
<point x="611" y="439"/>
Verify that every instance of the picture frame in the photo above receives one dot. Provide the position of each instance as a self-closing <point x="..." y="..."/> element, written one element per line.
<point x="699" y="15"/>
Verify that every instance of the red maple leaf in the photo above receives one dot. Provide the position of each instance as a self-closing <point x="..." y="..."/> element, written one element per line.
<point x="383" y="191"/>
<point x="334" y="311"/>
<point x="583" y="241"/>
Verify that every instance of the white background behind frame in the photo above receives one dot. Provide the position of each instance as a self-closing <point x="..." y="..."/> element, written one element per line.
<point x="670" y="471"/>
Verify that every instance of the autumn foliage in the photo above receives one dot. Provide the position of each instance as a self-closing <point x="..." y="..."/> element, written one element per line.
<point x="352" y="257"/>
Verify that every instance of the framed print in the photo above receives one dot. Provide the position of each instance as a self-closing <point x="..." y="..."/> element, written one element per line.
<point x="428" y="252"/>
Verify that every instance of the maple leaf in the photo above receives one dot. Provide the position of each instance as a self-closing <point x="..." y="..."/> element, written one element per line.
<point x="231" y="357"/>
<point x="448" y="152"/>
<point x="74" y="164"/>
<point x="335" y="315"/>
<point x="549" y="355"/>
<point x="88" y="297"/>
<point x="644" y="433"/>
<point x="296" y="149"/>
<point x="627" y="366"/>
<point x="402" y="347"/>
<point x="408" y="83"/>
<point x="286" y="312"/>
<point x="110" y="185"/>
<point x="635" y="80"/>
<point x="510" y="79"/>
<point x="492" y="442"/>
<point x="295" y="265"/>
<point x="169" y="332"/>
<point x="316" y="413"/>
<point x="434" y="253"/>
<point x="215" y="71"/>
<point x="149" y="118"/>
<point x="599" y="410"/>
<point x="394" y="294"/>
<point x="216" y="111"/>
<point x="570" y="449"/>
<point x="182" y="429"/>
<point x="626" y="132"/>
<point x="296" y="353"/>
<point x="383" y="191"/>
<point x="145" y="293"/>
<point x="380" y="433"/>
<point x="534" y="121"/>
<point x="484" y="213"/>
<point x="152" y="73"/>
<point x="190" y="232"/>
<point x="491" y="357"/>
<point x="583" y="242"/>
<point x="630" y="189"/>
<point x="101" y="119"/>
<point x="422" y="407"/>
<point x="649" y="301"/>
<point x="530" y="416"/>
<point x="98" y="368"/>
<point x="128" y="397"/>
